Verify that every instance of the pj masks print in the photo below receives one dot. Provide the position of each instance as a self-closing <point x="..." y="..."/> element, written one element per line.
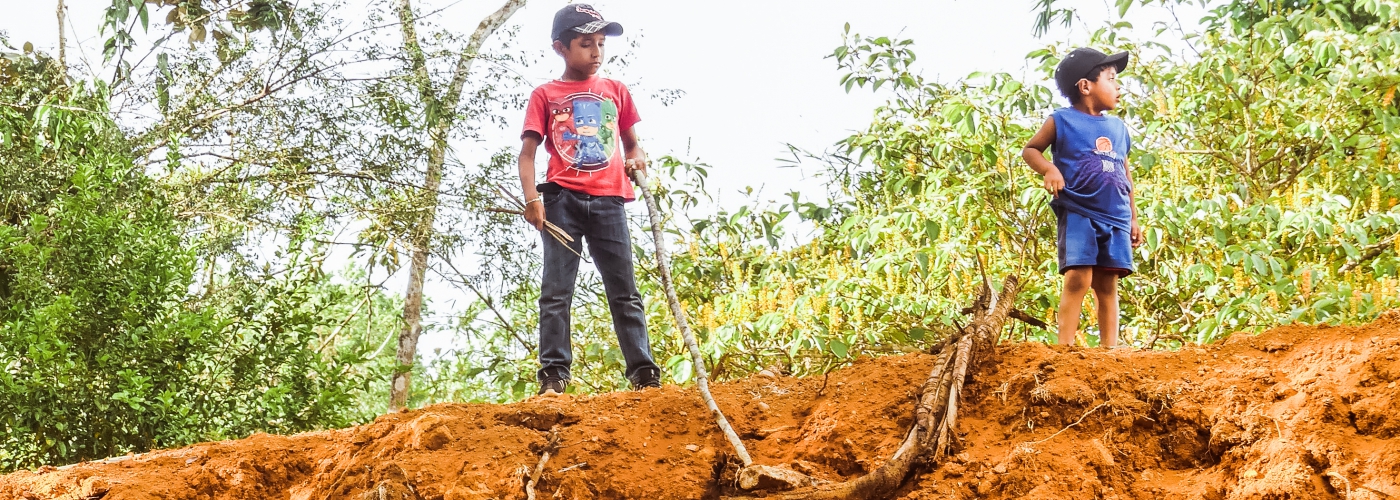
<point x="588" y="120"/>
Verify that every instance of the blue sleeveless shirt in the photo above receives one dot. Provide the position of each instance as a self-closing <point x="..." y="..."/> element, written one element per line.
<point x="1091" y="152"/>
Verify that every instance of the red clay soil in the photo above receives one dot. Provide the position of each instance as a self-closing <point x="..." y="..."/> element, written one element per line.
<point x="1298" y="412"/>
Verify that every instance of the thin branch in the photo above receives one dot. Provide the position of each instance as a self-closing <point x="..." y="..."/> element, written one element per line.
<point x="1371" y="252"/>
<point x="491" y="304"/>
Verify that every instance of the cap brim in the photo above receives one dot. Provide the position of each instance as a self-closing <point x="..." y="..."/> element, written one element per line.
<point x="608" y="28"/>
<point x="1119" y="61"/>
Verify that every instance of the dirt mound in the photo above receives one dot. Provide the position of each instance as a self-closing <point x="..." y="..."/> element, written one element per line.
<point x="1298" y="412"/>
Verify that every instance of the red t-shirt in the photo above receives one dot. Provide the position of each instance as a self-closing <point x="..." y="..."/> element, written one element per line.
<point x="582" y="124"/>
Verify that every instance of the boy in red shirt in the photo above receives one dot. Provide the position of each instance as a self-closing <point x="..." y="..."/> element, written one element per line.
<point x="585" y="123"/>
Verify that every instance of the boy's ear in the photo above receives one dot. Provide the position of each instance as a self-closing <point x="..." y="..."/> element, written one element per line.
<point x="1083" y="85"/>
<point x="559" y="47"/>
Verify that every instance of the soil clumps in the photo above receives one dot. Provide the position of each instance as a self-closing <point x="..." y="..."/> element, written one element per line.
<point x="1298" y="412"/>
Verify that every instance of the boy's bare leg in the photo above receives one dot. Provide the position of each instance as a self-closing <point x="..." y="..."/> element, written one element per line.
<point x="1106" y="297"/>
<point x="1077" y="281"/>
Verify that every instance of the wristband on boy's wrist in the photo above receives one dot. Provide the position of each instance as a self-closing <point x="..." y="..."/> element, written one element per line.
<point x="539" y="198"/>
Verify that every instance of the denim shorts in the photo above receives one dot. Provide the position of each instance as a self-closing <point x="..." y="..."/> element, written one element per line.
<point x="1082" y="241"/>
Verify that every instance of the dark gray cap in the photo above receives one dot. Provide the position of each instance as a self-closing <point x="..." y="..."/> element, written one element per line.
<point x="582" y="18"/>
<point x="1081" y="61"/>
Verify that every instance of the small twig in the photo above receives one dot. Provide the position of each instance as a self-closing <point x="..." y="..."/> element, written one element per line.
<point x="559" y="234"/>
<point x="331" y="489"/>
<point x="572" y="467"/>
<point x="1344" y="479"/>
<point x="764" y="433"/>
<point x="1076" y="422"/>
<point x="825" y="377"/>
<point x="547" y="224"/>
<point x="1028" y="319"/>
<point x="1370" y="252"/>
<point x="511" y="196"/>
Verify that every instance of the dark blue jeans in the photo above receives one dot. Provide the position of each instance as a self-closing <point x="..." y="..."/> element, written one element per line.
<point x="601" y="221"/>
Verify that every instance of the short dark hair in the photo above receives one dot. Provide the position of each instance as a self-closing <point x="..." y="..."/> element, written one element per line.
<point x="568" y="37"/>
<point x="1072" y="93"/>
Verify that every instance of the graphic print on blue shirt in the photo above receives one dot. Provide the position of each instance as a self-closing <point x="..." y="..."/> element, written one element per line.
<point x="588" y="143"/>
<point x="1091" y="153"/>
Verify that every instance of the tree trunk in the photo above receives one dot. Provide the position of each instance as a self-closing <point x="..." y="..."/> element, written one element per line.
<point x="442" y="109"/>
<point x="62" y="41"/>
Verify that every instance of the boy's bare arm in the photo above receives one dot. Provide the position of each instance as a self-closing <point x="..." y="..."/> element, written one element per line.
<point x="1034" y="155"/>
<point x="534" y="205"/>
<point x="636" y="159"/>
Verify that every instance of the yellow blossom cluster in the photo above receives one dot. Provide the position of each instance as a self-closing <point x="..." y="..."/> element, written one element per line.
<point x="1385" y="290"/>
<point x="1300" y="193"/>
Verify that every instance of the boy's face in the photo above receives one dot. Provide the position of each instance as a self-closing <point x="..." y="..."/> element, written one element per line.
<point x="584" y="54"/>
<point x="1105" y="90"/>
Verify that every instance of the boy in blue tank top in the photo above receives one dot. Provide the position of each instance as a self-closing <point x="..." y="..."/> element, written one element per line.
<point x="1097" y="219"/>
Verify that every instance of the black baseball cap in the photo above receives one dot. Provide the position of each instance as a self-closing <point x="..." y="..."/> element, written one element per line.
<point x="1080" y="62"/>
<point x="582" y="18"/>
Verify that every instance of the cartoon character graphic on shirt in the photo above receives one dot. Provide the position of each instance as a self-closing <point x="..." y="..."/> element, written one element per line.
<point x="588" y="119"/>
<point x="608" y="133"/>
<point x="561" y="121"/>
<point x="583" y="130"/>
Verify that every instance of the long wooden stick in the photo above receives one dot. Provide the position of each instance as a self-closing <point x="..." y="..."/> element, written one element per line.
<point x="702" y="376"/>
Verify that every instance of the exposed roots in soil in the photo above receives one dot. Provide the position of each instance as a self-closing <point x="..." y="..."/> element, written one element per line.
<point x="931" y="436"/>
<point x="550" y="446"/>
<point x="1300" y="412"/>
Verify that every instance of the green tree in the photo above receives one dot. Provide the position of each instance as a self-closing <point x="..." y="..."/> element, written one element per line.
<point x="296" y="129"/>
<point x="109" y="342"/>
<point x="440" y="111"/>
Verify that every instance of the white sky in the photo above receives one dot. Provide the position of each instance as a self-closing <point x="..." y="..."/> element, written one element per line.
<point x="754" y="72"/>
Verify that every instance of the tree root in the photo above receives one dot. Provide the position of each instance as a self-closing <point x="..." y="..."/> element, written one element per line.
<point x="932" y="435"/>
<point x="551" y="445"/>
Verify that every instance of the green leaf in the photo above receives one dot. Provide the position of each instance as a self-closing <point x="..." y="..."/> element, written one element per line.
<point x="839" y="348"/>
<point x="1260" y="267"/>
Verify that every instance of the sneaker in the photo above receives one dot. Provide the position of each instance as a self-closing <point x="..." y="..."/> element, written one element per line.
<point x="646" y="377"/>
<point x="554" y="385"/>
